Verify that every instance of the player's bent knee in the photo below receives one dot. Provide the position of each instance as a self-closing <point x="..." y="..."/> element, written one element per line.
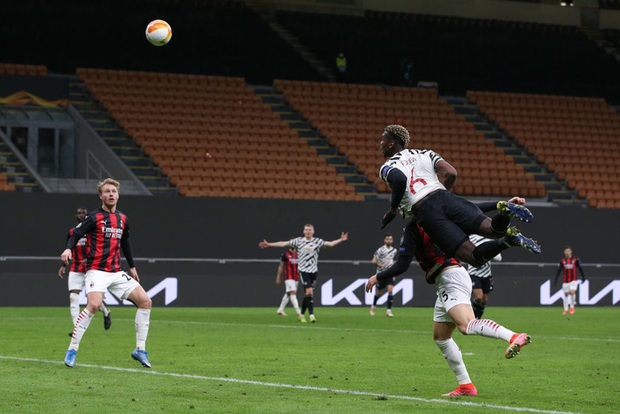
<point x="140" y="298"/>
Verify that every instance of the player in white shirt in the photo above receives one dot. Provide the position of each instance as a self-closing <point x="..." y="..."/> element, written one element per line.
<point x="420" y="182"/>
<point x="307" y="248"/>
<point x="384" y="257"/>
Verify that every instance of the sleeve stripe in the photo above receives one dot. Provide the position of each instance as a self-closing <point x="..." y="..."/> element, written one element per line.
<point x="383" y="173"/>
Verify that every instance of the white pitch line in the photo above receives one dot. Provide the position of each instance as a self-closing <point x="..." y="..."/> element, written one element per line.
<point x="298" y="387"/>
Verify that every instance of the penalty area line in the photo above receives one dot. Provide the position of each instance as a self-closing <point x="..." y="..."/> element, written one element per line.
<point x="294" y="387"/>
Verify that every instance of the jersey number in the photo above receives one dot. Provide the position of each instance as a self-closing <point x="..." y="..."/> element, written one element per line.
<point x="414" y="181"/>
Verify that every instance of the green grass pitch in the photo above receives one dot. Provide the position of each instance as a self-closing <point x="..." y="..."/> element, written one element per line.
<point x="249" y="360"/>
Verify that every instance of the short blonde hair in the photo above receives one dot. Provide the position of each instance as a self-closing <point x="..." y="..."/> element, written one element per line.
<point x="399" y="132"/>
<point x="108" y="181"/>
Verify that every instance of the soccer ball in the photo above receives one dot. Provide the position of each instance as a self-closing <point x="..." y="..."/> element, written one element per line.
<point x="158" y="32"/>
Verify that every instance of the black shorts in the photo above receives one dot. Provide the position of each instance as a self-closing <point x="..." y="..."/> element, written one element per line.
<point x="382" y="284"/>
<point x="448" y="220"/>
<point x="308" y="279"/>
<point x="484" y="283"/>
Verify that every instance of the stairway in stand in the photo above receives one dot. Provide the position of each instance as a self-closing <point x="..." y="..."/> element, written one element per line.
<point x="13" y="175"/>
<point x="332" y="155"/>
<point x="268" y="16"/>
<point x="122" y="144"/>
<point x="557" y="190"/>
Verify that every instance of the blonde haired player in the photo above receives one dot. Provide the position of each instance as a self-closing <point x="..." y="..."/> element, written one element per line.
<point x="108" y="233"/>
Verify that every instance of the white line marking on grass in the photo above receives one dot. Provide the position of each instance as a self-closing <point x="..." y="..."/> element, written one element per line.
<point x="297" y="387"/>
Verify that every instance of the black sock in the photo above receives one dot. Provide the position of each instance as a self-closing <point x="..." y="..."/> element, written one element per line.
<point x="374" y="302"/>
<point x="390" y="300"/>
<point x="310" y="299"/>
<point x="304" y="305"/>
<point x="499" y="223"/>
<point x="478" y="308"/>
<point x="488" y="250"/>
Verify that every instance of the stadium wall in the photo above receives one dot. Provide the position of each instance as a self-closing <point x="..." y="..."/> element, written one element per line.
<point x="480" y="9"/>
<point x="34" y="282"/>
<point x="203" y="251"/>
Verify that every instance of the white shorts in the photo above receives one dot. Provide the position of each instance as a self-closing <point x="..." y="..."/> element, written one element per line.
<point x="76" y="281"/>
<point x="290" y="285"/>
<point x="567" y="287"/>
<point x="453" y="288"/>
<point x="120" y="284"/>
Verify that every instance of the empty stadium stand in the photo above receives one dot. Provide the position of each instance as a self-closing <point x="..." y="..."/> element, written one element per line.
<point x="353" y="116"/>
<point x="577" y="138"/>
<point x="199" y="94"/>
<point x="178" y="118"/>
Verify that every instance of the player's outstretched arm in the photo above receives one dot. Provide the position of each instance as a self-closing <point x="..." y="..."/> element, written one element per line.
<point x="344" y="236"/>
<point x="264" y="244"/>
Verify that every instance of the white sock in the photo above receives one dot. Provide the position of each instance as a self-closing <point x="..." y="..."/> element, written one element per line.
<point x="81" y="325"/>
<point x="488" y="328"/>
<point x="295" y="303"/>
<point x="573" y="300"/>
<point x="103" y="309"/>
<point x="565" y="302"/>
<point x="143" y="317"/>
<point x="283" y="303"/>
<point x="454" y="358"/>
<point x="74" y="306"/>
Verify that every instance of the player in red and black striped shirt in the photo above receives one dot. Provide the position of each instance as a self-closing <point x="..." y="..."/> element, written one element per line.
<point x="77" y="275"/>
<point x="453" y="306"/>
<point x="288" y="268"/>
<point x="107" y="231"/>
<point x="568" y="268"/>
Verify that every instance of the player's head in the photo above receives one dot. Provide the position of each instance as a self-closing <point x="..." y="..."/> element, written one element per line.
<point x="108" y="181"/>
<point x="568" y="251"/>
<point x="395" y="138"/>
<point x="308" y="231"/>
<point x="388" y="240"/>
<point x="109" y="192"/>
<point x="80" y="214"/>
